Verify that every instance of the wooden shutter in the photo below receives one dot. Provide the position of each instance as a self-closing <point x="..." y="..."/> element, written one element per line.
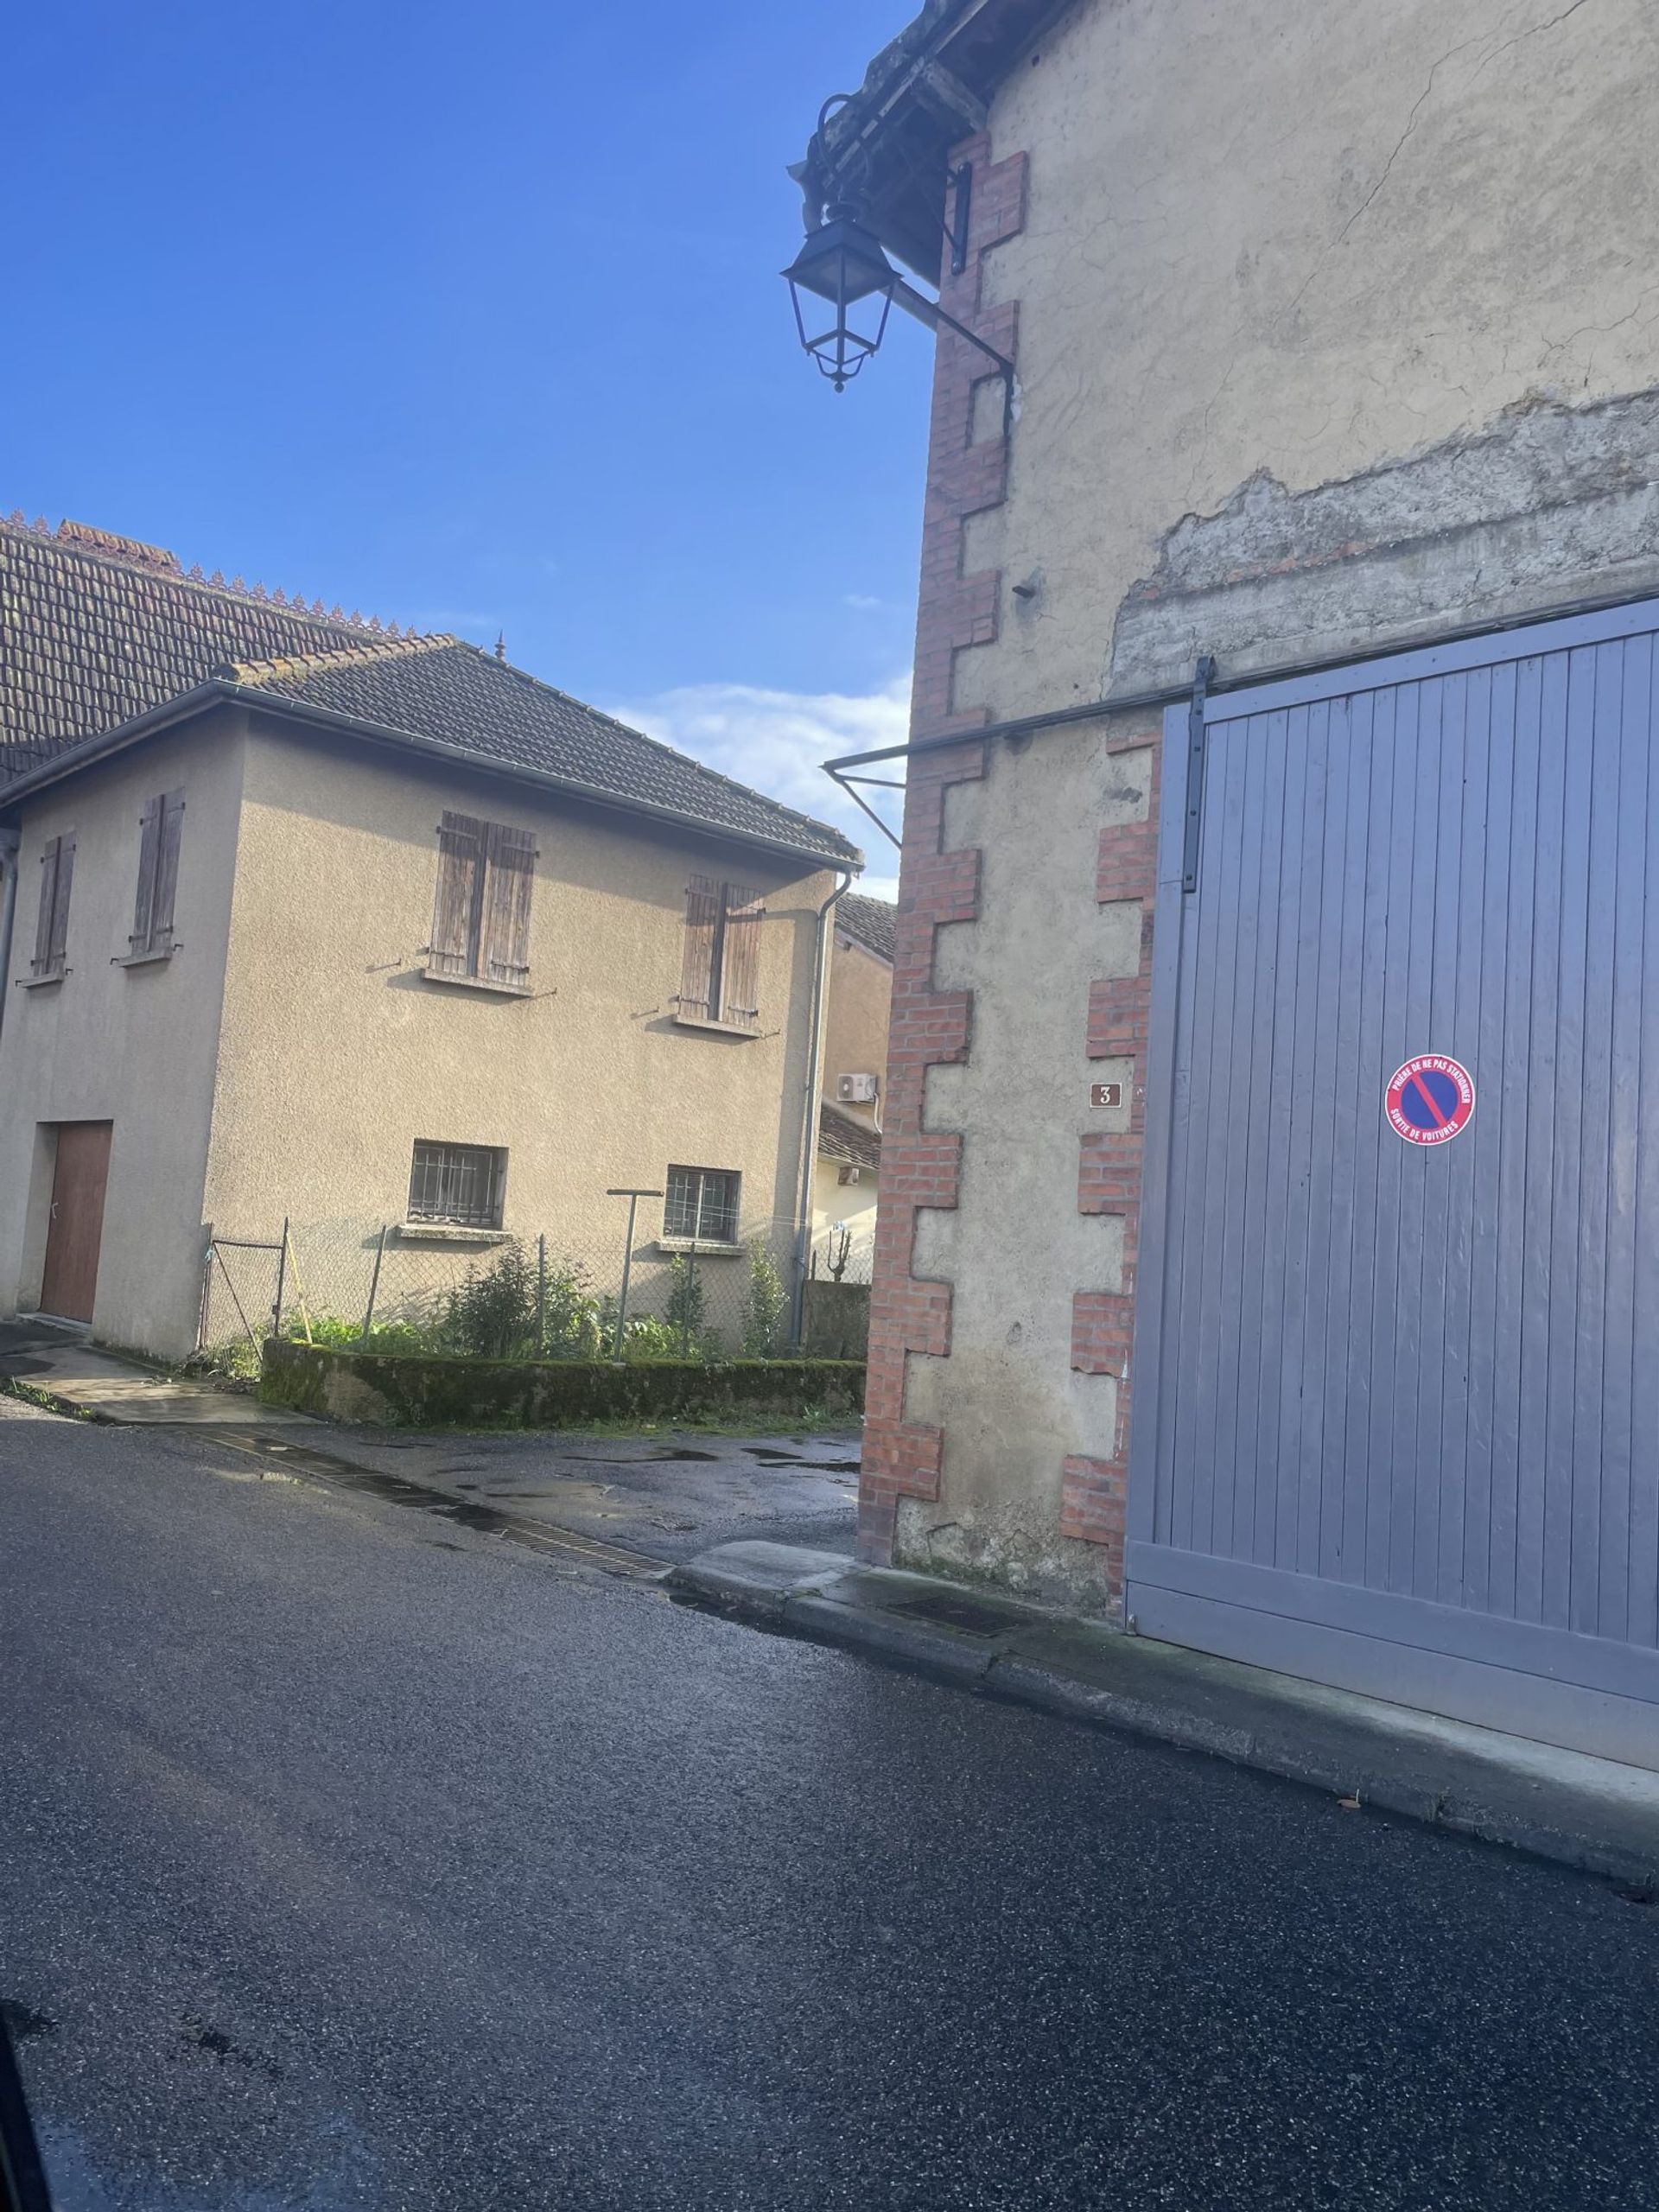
<point x="510" y="863"/>
<point x="453" y="949"/>
<point x="167" y="870"/>
<point x="740" y="962"/>
<point x="703" y="919"/>
<point x="149" y="845"/>
<point x="57" y="942"/>
<point x="42" y="960"/>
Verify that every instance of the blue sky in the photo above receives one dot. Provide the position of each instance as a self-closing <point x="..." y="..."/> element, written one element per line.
<point x="470" y="318"/>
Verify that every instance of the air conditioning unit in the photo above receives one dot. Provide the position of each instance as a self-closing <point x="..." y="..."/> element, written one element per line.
<point x="857" y="1089"/>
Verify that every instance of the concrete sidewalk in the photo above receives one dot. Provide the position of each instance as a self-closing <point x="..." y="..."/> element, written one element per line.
<point x="110" y="1386"/>
<point x="1586" y="1813"/>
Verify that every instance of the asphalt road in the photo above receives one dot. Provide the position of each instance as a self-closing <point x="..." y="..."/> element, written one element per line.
<point x="349" y="1860"/>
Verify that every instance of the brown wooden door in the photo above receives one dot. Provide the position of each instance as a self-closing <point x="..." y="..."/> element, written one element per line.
<point x="77" y="1226"/>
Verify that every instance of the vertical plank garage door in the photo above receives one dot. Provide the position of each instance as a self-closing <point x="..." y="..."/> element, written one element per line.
<point x="1396" y="1417"/>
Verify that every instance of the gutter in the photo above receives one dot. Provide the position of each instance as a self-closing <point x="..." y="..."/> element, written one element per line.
<point x="276" y="703"/>
<point x="810" y="1108"/>
<point x="10" y="841"/>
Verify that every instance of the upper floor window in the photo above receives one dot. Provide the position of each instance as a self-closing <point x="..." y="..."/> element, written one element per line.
<point x="463" y="1186"/>
<point x="480" y="920"/>
<point x="702" y="1202"/>
<point x="720" y="967"/>
<point x="51" y="931"/>
<point x="160" y="827"/>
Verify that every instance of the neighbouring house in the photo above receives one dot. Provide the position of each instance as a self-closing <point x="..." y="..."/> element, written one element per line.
<point x="1269" y="1251"/>
<point x="847" y="1178"/>
<point x="381" y="936"/>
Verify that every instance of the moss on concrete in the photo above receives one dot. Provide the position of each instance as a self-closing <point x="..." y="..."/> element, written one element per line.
<point x="399" y="1391"/>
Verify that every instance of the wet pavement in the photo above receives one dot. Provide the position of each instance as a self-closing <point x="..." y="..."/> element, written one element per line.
<point x="663" y="1493"/>
<point x="668" y="1494"/>
<point x="354" y="1859"/>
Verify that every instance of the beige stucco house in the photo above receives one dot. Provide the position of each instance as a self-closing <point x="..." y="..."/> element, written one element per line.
<point x="1281" y="770"/>
<point x="372" y="934"/>
<point x="847" y="1176"/>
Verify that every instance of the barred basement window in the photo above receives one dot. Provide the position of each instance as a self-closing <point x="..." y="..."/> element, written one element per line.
<point x="461" y="1184"/>
<point x="702" y="1202"/>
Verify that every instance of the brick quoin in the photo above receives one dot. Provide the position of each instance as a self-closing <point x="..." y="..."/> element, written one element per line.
<point x="1092" y="1498"/>
<point x="909" y="1315"/>
<point x="1094" y="1491"/>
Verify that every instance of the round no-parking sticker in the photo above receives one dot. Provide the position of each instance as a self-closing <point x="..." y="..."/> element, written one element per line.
<point x="1430" y="1099"/>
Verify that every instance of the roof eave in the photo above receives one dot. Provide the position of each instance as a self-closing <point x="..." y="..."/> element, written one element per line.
<point x="189" y="704"/>
<point x="927" y="90"/>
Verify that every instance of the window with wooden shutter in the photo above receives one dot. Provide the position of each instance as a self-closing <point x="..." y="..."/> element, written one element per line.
<point x="742" y="913"/>
<point x="52" y="930"/>
<point x="509" y="872"/>
<point x="720" y="966"/>
<point x="480" y="917"/>
<point x="160" y="827"/>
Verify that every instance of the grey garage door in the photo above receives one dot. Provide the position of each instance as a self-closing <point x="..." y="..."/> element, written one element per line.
<point x="1396" y="1420"/>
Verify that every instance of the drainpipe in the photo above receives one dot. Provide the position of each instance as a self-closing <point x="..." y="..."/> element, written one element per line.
<point x="809" y="1109"/>
<point x="9" y="842"/>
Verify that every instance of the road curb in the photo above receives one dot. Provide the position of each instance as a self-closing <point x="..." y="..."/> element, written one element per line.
<point x="1589" y="1815"/>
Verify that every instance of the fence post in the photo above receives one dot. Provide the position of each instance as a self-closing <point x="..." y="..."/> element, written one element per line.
<point x="627" y="1269"/>
<point x="374" y="1285"/>
<point x="688" y="1306"/>
<point x="299" y="1287"/>
<point x="282" y="1272"/>
<point x="541" y="1297"/>
<point x="633" y="1197"/>
<point x="203" y="1314"/>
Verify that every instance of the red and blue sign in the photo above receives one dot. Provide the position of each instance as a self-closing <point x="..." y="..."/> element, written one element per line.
<point x="1430" y="1099"/>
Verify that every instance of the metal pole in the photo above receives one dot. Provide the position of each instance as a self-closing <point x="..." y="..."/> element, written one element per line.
<point x="627" y="1269"/>
<point x="374" y="1285"/>
<point x="541" y="1297"/>
<point x="688" y="1307"/>
<point x="281" y="1275"/>
<point x="633" y="1198"/>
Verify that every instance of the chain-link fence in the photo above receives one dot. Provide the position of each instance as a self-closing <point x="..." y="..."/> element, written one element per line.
<point x="397" y="1287"/>
<point x="843" y="1252"/>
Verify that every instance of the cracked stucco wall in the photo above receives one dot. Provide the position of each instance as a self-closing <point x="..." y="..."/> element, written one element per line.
<point x="1370" y="282"/>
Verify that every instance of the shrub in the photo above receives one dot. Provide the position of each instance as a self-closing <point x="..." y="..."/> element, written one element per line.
<point x="493" y="1315"/>
<point x="764" y="1302"/>
<point x="686" y="1310"/>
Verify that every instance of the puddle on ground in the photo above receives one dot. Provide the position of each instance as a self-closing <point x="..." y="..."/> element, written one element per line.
<point x="461" y="1513"/>
<point x="770" y="1457"/>
<point x="684" y="1452"/>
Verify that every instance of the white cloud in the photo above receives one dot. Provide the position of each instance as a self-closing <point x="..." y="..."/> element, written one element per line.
<point x="862" y="602"/>
<point x="777" y="742"/>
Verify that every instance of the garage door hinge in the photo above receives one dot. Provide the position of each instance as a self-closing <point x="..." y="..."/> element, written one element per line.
<point x="1202" y="677"/>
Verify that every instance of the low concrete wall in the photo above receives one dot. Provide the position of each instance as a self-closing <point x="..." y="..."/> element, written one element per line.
<point x="836" y="1320"/>
<point x="434" y="1393"/>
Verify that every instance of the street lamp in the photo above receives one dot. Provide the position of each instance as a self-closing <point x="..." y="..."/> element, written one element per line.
<point x="842" y="263"/>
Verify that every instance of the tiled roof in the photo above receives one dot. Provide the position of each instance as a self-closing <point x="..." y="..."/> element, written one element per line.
<point x="841" y="1137"/>
<point x="95" y="630"/>
<point x="439" y="690"/>
<point x="868" y="922"/>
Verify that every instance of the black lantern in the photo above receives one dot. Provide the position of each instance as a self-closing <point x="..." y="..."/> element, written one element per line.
<point x="842" y="262"/>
